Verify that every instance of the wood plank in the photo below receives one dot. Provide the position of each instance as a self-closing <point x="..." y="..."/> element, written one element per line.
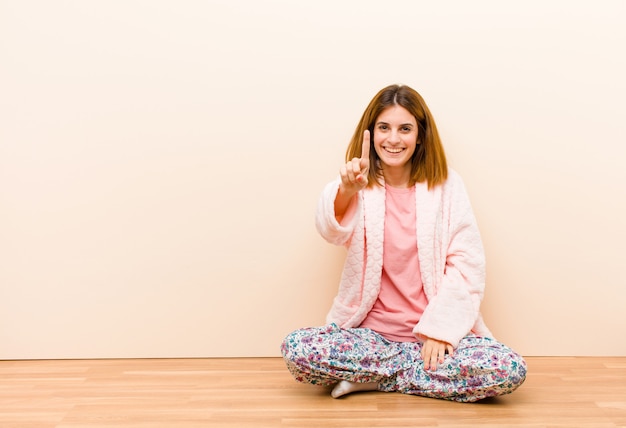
<point x="259" y="392"/>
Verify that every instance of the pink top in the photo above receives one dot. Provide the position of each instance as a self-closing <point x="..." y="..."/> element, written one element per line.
<point x="401" y="300"/>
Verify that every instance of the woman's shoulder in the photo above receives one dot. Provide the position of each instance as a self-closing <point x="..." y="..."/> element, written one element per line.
<point x="454" y="180"/>
<point x="454" y="186"/>
<point x="454" y="176"/>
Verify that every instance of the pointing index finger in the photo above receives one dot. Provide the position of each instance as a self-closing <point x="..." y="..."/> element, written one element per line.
<point x="365" y="150"/>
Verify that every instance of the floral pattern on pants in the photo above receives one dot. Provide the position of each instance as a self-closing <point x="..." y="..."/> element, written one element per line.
<point x="479" y="368"/>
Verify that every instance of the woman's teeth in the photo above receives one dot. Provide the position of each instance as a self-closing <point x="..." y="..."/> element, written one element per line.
<point x="393" y="150"/>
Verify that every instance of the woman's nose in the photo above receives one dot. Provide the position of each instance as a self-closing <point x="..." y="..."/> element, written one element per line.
<point x="394" y="137"/>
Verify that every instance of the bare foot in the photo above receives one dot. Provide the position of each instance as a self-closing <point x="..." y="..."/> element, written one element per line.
<point x="345" y="387"/>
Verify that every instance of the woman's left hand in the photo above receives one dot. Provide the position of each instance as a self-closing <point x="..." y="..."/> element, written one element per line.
<point x="433" y="352"/>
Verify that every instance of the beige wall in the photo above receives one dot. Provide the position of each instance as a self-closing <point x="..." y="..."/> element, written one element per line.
<point x="160" y="162"/>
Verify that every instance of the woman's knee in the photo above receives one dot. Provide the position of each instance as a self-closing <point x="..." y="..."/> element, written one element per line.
<point x="518" y="370"/>
<point x="295" y="343"/>
<point x="510" y="369"/>
<point x="288" y="345"/>
<point x="501" y="363"/>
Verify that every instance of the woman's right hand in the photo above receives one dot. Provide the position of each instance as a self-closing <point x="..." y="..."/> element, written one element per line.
<point x="354" y="172"/>
<point x="353" y="178"/>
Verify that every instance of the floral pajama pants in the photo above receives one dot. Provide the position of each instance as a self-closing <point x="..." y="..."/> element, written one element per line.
<point x="480" y="367"/>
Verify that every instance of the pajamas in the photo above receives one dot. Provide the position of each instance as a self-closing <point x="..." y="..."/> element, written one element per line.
<point x="480" y="367"/>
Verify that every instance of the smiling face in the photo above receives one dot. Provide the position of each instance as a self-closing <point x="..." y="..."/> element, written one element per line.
<point x="395" y="140"/>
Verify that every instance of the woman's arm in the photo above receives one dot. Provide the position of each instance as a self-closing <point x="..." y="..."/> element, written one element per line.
<point x="340" y="202"/>
<point x="353" y="179"/>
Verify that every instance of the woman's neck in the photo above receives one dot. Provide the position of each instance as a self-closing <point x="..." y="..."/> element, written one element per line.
<point x="399" y="178"/>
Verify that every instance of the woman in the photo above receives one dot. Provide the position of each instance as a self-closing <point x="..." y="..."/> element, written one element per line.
<point x="406" y="317"/>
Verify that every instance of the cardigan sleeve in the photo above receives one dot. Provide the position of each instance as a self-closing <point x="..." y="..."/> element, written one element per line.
<point x="326" y="222"/>
<point x="454" y="309"/>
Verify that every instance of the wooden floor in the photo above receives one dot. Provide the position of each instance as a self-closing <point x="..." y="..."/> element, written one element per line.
<point x="259" y="392"/>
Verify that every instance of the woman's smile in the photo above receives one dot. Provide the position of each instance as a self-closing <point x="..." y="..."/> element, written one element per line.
<point x="393" y="150"/>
